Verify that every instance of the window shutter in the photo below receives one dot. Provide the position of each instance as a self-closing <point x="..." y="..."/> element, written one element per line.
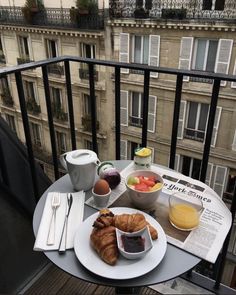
<point x="223" y="57"/>
<point x="209" y="174"/>
<point x="152" y="105"/>
<point x="233" y="84"/>
<point x="124" y="108"/>
<point x="124" y="50"/>
<point x="154" y="51"/>
<point x="123" y="149"/>
<point x="219" y="180"/>
<point x="185" y="57"/>
<point x="234" y="142"/>
<point x="177" y="162"/>
<point x="216" y="126"/>
<point x="153" y="150"/>
<point x="182" y="112"/>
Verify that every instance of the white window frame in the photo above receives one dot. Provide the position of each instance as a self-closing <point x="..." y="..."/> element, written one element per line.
<point x="199" y="106"/>
<point x="36" y="134"/>
<point x="62" y="142"/>
<point x="206" y="51"/>
<point x="49" y="47"/>
<point x="22" y="48"/>
<point x="139" y="107"/>
<point x="60" y="96"/>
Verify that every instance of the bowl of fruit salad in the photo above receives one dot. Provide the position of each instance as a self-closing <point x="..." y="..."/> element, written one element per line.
<point x="144" y="187"/>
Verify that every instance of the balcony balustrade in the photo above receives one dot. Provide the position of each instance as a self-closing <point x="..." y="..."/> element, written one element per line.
<point x="213" y="284"/>
<point x="174" y="9"/>
<point x="51" y="17"/>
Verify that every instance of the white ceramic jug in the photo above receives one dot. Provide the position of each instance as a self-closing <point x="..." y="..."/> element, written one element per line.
<point x="82" y="167"/>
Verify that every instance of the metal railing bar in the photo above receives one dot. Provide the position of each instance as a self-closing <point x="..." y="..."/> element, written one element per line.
<point x="223" y="254"/>
<point x="145" y="107"/>
<point x="93" y="108"/>
<point x="21" y="95"/>
<point x="208" y="283"/>
<point x="3" y="167"/>
<point x="70" y="104"/>
<point x="117" y="111"/>
<point x="142" y="67"/>
<point x="210" y="125"/>
<point x="178" y="93"/>
<point x="50" y="120"/>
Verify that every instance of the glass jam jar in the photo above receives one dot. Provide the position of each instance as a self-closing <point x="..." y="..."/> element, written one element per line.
<point x="143" y="158"/>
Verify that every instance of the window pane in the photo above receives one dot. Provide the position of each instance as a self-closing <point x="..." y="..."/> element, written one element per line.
<point x="87" y="51"/>
<point x="192" y="115"/>
<point x="200" y="55"/>
<point x="211" y="58"/>
<point x="145" y="49"/>
<point x="207" y="4"/>
<point x="137" y="49"/>
<point x="196" y="168"/>
<point x="135" y="104"/>
<point x="203" y="117"/>
<point x="219" y="4"/>
<point x="186" y="165"/>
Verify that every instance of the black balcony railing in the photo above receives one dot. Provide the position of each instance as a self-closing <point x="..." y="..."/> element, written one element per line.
<point x="214" y="285"/>
<point x="51" y="17"/>
<point x="174" y="9"/>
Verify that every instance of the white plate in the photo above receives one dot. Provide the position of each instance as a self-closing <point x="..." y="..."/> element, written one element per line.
<point x="124" y="268"/>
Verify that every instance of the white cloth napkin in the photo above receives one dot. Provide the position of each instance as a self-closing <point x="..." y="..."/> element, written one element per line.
<point x="74" y="220"/>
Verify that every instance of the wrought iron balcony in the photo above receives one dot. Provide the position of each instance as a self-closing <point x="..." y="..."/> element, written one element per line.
<point x="174" y="9"/>
<point x="213" y="284"/>
<point x="51" y="17"/>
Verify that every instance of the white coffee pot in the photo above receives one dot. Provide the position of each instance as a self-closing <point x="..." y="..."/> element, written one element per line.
<point x="82" y="167"/>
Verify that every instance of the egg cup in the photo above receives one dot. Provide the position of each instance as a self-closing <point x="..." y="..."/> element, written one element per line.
<point x="101" y="201"/>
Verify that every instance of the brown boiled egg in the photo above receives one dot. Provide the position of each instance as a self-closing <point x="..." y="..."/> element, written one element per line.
<point x="101" y="187"/>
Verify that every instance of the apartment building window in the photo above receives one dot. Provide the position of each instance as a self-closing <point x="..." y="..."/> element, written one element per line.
<point x="216" y="176"/>
<point x="86" y="104"/>
<point x="5" y="92"/>
<point x="197" y="115"/>
<point x="87" y="51"/>
<point x="23" y="50"/>
<point x="213" y="4"/>
<point x="136" y="109"/>
<point x="51" y="48"/>
<point x="205" y="54"/>
<point x="61" y="142"/>
<point x="231" y="182"/>
<point x="193" y="118"/>
<point x="142" y="49"/>
<point x="2" y="55"/>
<point x="131" y="109"/>
<point x="11" y="122"/>
<point x="36" y="134"/>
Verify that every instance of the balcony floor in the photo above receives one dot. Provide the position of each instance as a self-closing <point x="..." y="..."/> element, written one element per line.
<point x="56" y="281"/>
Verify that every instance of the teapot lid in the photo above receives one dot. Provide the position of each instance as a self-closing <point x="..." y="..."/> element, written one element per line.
<point x="81" y="157"/>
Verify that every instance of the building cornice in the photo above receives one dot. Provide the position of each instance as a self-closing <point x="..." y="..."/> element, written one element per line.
<point x="199" y="25"/>
<point x="54" y="31"/>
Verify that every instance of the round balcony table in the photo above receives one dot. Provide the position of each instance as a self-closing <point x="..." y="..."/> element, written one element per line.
<point x="174" y="263"/>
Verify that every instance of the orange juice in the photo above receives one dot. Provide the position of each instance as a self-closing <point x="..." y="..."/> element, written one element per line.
<point x="184" y="216"/>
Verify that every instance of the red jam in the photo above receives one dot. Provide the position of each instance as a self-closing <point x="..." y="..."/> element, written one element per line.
<point x="132" y="244"/>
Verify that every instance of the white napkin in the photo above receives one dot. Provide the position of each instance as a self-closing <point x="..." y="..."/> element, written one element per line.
<point x="74" y="220"/>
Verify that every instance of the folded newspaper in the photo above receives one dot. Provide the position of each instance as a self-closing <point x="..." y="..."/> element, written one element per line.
<point x="207" y="239"/>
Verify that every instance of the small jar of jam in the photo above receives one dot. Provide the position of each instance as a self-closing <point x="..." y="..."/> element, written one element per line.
<point x="143" y="158"/>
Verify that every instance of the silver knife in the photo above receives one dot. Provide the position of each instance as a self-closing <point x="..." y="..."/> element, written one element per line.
<point x="62" y="245"/>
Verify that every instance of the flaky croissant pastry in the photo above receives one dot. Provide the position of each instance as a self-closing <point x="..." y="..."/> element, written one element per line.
<point x="125" y="222"/>
<point x="104" y="242"/>
<point x="133" y="222"/>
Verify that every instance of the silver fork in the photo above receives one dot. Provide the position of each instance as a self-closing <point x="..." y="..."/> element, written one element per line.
<point x="55" y="203"/>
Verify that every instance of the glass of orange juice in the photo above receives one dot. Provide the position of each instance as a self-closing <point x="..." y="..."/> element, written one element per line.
<point x="184" y="211"/>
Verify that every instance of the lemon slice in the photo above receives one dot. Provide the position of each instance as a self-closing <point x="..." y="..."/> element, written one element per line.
<point x="143" y="152"/>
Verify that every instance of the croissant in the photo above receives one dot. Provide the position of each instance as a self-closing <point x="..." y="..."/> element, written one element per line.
<point x="125" y="222"/>
<point x="132" y="223"/>
<point x="104" y="242"/>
